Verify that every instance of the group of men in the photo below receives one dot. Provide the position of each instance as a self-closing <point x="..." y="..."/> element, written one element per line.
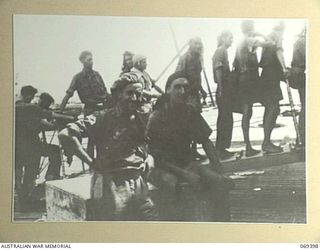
<point x="137" y="141"/>
<point x="240" y="88"/>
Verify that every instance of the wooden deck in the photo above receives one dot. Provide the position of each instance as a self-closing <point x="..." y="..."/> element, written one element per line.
<point x="276" y="196"/>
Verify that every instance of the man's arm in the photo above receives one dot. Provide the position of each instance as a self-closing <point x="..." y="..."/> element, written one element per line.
<point x="47" y="126"/>
<point x="67" y="118"/>
<point x="217" y="68"/>
<point x="158" y="89"/>
<point x="64" y="102"/>
<point x="281" y="60"/>
<point x="148" y="94"/>
<point x="155" y="86"/>
<point x="279" y="52"/>
<point x="69" y="93"/>
<point x="108" y="95"/>
<point x="219" y="75"/>
<point x="192" y="178"/>
<point x="181" y="64"/>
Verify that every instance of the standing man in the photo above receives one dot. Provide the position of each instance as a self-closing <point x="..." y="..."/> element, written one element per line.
<point x="298" y="76"/>
<point x="273" y="71"/>
<point x="246" y="64"/>
<point x="89" y="85"/>
<point x="172" y="127"/>
<point x="190" y="65"/>
<point x="27" y="144"/>
<point x="221" y="72"/>
<point x="91" y="90"/>
<point x="29" y="121"/>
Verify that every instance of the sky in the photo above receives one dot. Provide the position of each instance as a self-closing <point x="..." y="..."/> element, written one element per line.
<point x="47" y="47"/>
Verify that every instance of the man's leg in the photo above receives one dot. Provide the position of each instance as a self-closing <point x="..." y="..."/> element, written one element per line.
<point x="165" y="195"/>
<point x="175" y="185"/>
<point x="194" y="100"/>
<point x="270" y="116"/>
<point x="72" y="146"/>
<point x="146" y="209"/>
<point x="220" y="128"/>
<point x="246" y="117"/>
<point x="18" y="166"/>
<point x="224" y="130"/>
<point x="53" y="153"/>
<point x="228" y="125"/>
<point x="123" y="199"/>
<point x="110" y="196"/>
<point x="216" y="189"/>
<point x="31" y="166"/>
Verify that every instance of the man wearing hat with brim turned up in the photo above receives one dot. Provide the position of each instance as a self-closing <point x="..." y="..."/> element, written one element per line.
<point x="122" y="164"/>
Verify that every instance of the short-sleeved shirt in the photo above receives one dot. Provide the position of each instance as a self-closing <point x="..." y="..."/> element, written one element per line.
<point x="171" y="131"/>
<point x="90" y="87"/>
<point x="120" y="140"/>
<point x="28" y="121"/>
<point x="269" y="56"/>
<point x="191" y="66"/>
<point x="220" y="61"/>
<point x="299" y="53"/>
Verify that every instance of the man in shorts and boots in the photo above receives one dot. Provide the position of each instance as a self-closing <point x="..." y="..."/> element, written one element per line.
<point x="221" y="72"/>
<point x="247" y="66"/>
<point x="273" y="71"/>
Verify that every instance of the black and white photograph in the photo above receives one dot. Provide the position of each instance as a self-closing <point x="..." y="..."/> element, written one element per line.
<point x="159" y="119"/>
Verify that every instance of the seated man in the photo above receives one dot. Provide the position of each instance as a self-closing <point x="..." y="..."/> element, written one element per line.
<point x="122" y="163"/>
<point x="172" y="127"/>
<point x="139" y="69"/>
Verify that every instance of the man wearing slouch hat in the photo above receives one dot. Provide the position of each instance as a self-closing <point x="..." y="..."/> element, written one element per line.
<point x="122" y="164"/>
